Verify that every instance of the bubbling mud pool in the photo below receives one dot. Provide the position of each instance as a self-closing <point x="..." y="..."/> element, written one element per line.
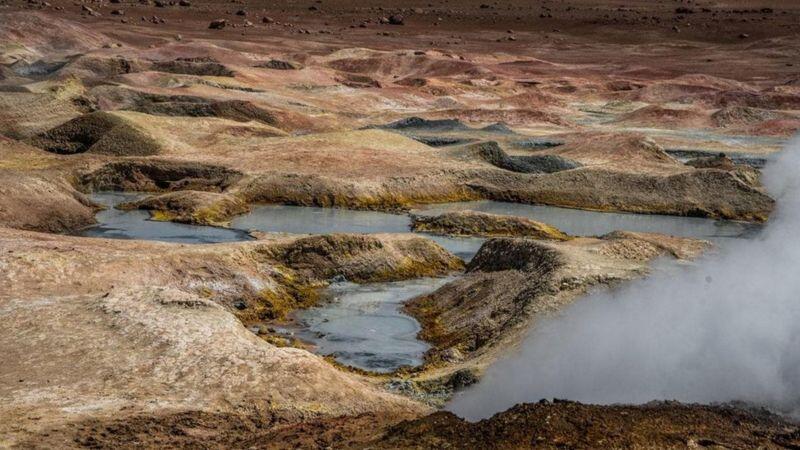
<point x="363" y="325"/>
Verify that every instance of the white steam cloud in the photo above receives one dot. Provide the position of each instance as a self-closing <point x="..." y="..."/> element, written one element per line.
<point x="724" y="329"/>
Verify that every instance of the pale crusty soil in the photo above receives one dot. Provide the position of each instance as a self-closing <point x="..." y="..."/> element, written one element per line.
<point x="133" y="344"/>
<point x="96" y="329"/>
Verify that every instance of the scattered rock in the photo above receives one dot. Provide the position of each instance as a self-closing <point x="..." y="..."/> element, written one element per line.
<point x="90" y="11"/>
<point x="217" y="24"/>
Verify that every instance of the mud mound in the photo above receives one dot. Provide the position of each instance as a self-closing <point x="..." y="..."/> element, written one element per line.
<point x="91" y="66"/>
<point x="621" y="151"/>
<point x="114" y="97"/>
<point x="659" y="244"/>
<point x="494" y="155"/>
<point x="563" y="424"/>
<point x="623" y="85"/>
<point x="744" y="172"/>
<point x="194" y="207"/>
<point x="441" y="141"/>
<point x="238" y="110"/>
<point x="720" y="161"/>
<point x="502" y="281"/>
<point x="533" y="100"/>
<point x="736" y="116"/>
<point x="159" y="175"/>
<point x="761" y="100"/>
<point x="361" y="258"/>
<point x="686" y="88"/>
<point x="25" y="114"/>
<point x="498" y="127"/>
<point x="38" y="68"/>
<point x="243" y="111"/>
<point x="537" y="143"/>
<point x="358" y="81"/>
<point x="97" y="132"/>
<point x="42" y="202"/>
<point x="403" y="64"/>
<point x="658" y="116"/>
<point x="513" y="117"/>
<point x="515" y="254"/>
<point x="698" y="193"/>
<point x="420" y="124"/>
<point x="412" y="82"/>
<point x="395" y="195"/>
<point x="471" y="223"/>
<point x="277" y="64"/>
<point x="194" y="66"/>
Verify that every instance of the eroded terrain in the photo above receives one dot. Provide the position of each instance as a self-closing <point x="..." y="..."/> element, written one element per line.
<point x="186" y="188"/>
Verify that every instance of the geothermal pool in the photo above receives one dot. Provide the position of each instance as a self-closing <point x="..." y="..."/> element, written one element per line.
<point x="136" y="224"/>
<point x="592" y="223"/>
<point x="363" y="326"/>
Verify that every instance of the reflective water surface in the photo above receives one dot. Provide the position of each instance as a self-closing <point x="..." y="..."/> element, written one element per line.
<point x="136" y="224"/>
<point x="591" y="223"/>
<point x="362" y="326"/>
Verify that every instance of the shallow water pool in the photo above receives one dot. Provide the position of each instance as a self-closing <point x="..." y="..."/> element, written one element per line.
<point x="362" y="326"/>
<point x="591" y="223"/>
<point x="136" y="224"/>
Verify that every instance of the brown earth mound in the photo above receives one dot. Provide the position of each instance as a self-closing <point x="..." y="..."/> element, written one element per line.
<point x="661" y="117"/>
<point x="158" y="175"/>
<point x="97" y="132"/>
<point x="201" y="66"/>
<point x="42" y="202"/>
<point x="471" y="223"/>
<point x="683" y="194"/>
<point x="562" y="424"/>
<point x="510" y="281"/>
<point x="194" y="207"/>
<point x="323" y="256"/>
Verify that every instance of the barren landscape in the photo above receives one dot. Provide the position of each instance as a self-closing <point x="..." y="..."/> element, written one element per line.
<point x="257" y="224"/>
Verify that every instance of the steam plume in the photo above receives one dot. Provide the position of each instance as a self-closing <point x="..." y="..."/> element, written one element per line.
<point x="726" y="328"/>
